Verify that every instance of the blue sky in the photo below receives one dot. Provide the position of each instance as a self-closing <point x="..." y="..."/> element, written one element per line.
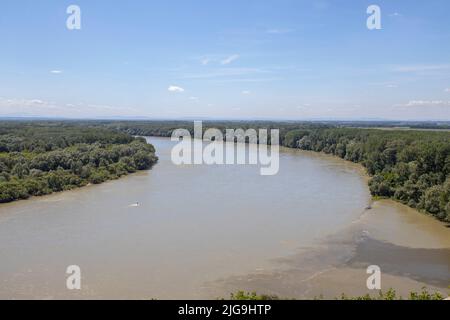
<point x="246" y="59"/>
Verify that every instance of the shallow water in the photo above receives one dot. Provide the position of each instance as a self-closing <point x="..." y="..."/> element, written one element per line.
<point x="194" y="225"/>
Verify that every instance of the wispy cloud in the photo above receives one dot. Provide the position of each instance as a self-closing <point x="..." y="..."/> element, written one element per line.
<point x="218" y="59"/>
<point x="229" y="59"/>
<point x="35" y="101"/>
<point x="56" y="71"/>
<point x="224" y="72"/>
<point x="303" y="106"/>
<point x="395" y="14"/>
<point x="43" y="108"/>
<point x="420" y="68"/>
<point x="175" y="89"/>
<point x="249" y="80"/>
<point x="209" y="59"/>
<point x="279" y="31"/>
<point x="246" y="92"/>
<point x="14" y="102"/>
<point x="425" y="103"/>
<point x="205" y="60"/>
<point x="320" y="4"/>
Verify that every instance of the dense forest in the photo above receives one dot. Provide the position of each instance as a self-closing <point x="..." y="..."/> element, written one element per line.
<point x="410" y="166"/>
<point x="40" y="158"/>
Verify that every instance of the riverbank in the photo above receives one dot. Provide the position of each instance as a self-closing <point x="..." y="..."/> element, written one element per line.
<point x="411" y="249"/>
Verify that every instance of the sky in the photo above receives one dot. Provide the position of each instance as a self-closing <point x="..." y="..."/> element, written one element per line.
<point x="235" y="59"/>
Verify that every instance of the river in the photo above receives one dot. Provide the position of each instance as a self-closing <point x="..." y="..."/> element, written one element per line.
<point x="206" y="231"/>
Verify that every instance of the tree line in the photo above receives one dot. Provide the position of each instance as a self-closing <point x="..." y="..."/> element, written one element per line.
<point x="40" y="158"/>
<point x="412" y="167"/>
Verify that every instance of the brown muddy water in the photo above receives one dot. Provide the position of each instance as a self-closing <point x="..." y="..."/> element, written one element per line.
<point x="207" y="231"/>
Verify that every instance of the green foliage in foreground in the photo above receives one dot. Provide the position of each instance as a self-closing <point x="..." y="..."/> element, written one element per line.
<point x="389" y="295"/>
<point x="392" y="295"/>
<point x="40" y="159"/>
<point x="241" y="295"/>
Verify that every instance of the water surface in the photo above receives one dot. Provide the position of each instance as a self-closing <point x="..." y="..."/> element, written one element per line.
<point x="194" y="225"/>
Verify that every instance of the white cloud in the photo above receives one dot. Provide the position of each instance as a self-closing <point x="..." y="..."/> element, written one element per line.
<point x="36" y="101"/>
<point x="246" y="92"/>
<point x="278" y="31"/>
<point x="250" y="80"/>
<point x="42" y="108"/>
<point x="13" y="103"/>
<point x="205" y="61"/>
<point x="225" y="72"/>
<point x="425" y="103"/>
<point x="395" y="14"/>
<point x="175" y="89"/>
<point x="221" y="59"/>
<point x="320" y="4"/>
<point x="420" y="68"/>
<point x="56" y="71"/>
<point x="193" y="98"/>
<point x="230" y="59"/>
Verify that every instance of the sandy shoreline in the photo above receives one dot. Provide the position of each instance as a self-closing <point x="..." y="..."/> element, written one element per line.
<point x="412" y="250"/>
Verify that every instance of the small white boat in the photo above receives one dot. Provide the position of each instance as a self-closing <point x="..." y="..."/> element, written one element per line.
<point x="134" y="205"/>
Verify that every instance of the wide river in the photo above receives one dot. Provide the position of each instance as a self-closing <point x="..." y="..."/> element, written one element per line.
<point x="198" y="231"/>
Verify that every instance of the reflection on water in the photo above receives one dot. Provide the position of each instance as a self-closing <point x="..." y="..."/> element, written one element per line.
<point x="168" y="232"/>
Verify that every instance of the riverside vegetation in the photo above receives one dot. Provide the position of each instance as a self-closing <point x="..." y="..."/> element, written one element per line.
<point x="40" y="158"/>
